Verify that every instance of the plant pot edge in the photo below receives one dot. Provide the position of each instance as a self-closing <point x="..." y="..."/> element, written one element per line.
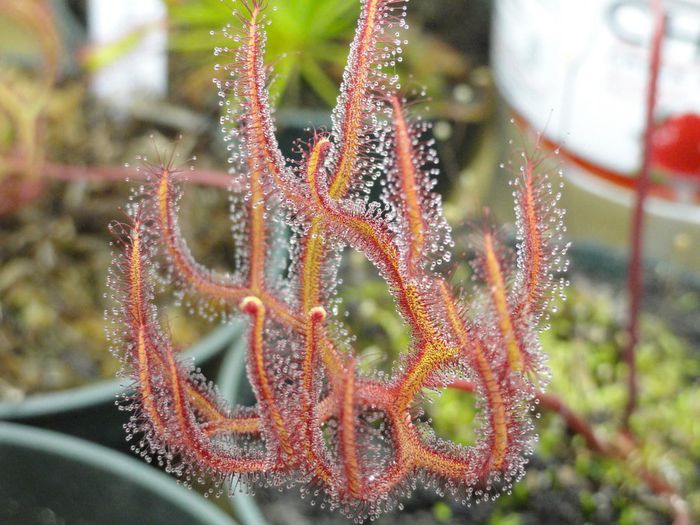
<point x="122" y="465"/>
<point x="106" y="390"/>
<point x="231" y="374"/>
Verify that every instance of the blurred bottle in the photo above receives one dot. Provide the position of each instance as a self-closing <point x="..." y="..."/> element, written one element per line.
<point x="578" y="73"/>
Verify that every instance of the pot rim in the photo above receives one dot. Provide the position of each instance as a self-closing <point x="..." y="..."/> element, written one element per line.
<point x="229" y="379"/>
<point x="107" y="390"/>
<point x="122" y="465"/>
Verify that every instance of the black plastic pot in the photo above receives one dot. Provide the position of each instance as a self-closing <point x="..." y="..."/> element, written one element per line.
<point x="49" y="478"/>
<point x="89" y="412"/>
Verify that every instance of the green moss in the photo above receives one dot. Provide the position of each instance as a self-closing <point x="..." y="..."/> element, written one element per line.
<point x="442" y="512"/>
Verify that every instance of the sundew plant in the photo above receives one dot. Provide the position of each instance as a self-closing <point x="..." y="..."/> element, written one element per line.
<point x="353" y="441"/>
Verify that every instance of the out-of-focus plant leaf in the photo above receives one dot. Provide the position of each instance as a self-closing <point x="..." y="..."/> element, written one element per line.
<point x="307" y="44"/>
<point x="100" y="56"/>
<point x="307" y="40"/>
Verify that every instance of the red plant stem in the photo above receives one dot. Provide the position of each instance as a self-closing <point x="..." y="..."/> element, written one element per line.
<point x="620" y="448"/>
<point x="634" y="282"/>
<point x="575" y="422"/>
<point x="555" y="404"/>
<point x="66" y="172"/>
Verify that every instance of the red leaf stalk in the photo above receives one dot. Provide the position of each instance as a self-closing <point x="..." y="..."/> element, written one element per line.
<point x="634" y="279"/>
<point x="620" y="447"/>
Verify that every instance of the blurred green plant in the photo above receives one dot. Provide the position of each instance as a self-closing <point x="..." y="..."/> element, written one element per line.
<point x="584" y="346"/>
<point x="307" y="45"/>
<point x="307" y="42"/>
<point x="29" y="54"/>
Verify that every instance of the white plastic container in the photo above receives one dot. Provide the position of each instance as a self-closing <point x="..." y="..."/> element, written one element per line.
<point x="143" y="70"/>
<point x="578" y="73"/>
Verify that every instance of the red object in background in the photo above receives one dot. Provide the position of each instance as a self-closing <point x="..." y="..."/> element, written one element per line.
<point x="676" y="145"/>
